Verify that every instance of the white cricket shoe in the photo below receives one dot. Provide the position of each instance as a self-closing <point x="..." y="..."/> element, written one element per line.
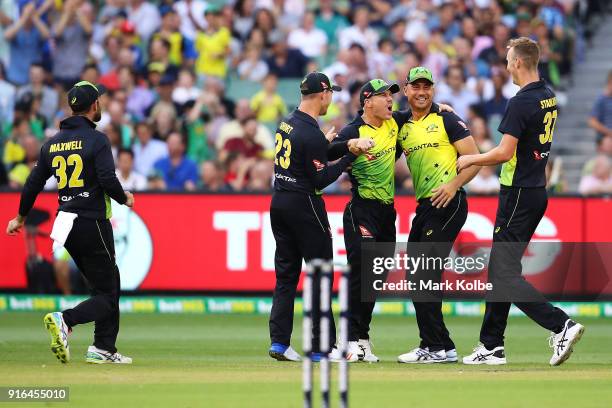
<point x="563" y="343"/>
<point x="99" y="356"/>
<point x="282" y="352"/>
<point x="422" y="356"/>
<point x="482" y="355"/>
<point x="352" y="353"/>
<point x="366" y="351"/>
<point x="451" y="356"/>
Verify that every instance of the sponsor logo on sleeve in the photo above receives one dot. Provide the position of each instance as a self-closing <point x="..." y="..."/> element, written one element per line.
<point x="318" y="165"/>
<point x="365" y="233"/>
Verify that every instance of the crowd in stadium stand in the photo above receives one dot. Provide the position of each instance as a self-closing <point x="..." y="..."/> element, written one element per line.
<point x="195" y="88"/>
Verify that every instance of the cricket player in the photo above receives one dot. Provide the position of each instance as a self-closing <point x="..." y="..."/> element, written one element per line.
<point x="370" y="215"/>
<point x="431" y="141"/>
<point x="80" y="158"/>
<point x="297" y="211"/>
<point x="527" y="127"/>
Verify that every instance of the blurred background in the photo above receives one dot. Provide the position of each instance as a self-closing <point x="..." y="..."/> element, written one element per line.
<point x="196" y="89"/>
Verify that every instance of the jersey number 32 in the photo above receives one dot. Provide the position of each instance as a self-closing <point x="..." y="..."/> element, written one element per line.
<point x="60" y="165"/>
<point x="285" y="159"/>
<point x="550" y="119"/>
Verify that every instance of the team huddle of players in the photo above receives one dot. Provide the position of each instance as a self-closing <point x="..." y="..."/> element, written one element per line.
<point x="442" y="157"/>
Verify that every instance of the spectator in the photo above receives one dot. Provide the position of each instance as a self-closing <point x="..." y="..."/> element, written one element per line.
<point x="181" y="48"/>
<point x="117" y="115"/>
<point x="285" y="62"/>
<point x="601" y="115"/>
<point x="185" y="89"/>
<point x="129" y="179"/>
<point x="14" y="152"/>
<point x="360" y="32"/>
<point x="198" y="149"/>
<point x="455" y="93"/>
<point x="485" y="182"/>
<point x="113" y="132"/>
<point x="213" y="46"/>
<point x="37" y="86"/>
<point x="145" y="17"/>
<point x="267" y="104"/>
<point x="246" y="146"/>
<point x="252" y="67"/>
<point x="265" y="23"/>
<point x="357" y="63"/>
<point x="243" y="17"/>
<point x="481" y="134"/>
<point x="260" y="177"/>
<point x="329" y="20"/>
<point x="147" y="151"/>
<point x="191" y="14"/>
<point x="311" y="41"/>
<point x="178" y="172"/>
<point x="159" y="54"/>
<point x="71" y="35"/>
<point x="28" y="107"/>
<point x="445" y="22"/>
<point x="599" y="181"/>
<point x="382" y="63"/>
<point x="19" y="174"/>
<point x="7" y="101"/>
<point x="234" y="128"/>
<point x="496" y="53"/>
<point x="212" y="178"/>
<point x="7" y="12"/>
<point x="90" y="73"/>
<point x="140" y="97"/>
<point x="604" y="147"/>
<point x="494" y="108"/>
<point x="400" y="45"/>
<point x="27" y="38"/>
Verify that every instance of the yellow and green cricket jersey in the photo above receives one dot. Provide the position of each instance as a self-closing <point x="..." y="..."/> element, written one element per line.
<point x="373" y="174"/>
<point x="428" y="146"/>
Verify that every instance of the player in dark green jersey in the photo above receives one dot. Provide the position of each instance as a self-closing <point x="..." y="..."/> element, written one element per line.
<point x="527" y="126"/>
<point x="431" y="141"/>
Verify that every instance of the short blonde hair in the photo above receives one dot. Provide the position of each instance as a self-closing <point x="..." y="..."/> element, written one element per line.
<point x="527" y="50"/>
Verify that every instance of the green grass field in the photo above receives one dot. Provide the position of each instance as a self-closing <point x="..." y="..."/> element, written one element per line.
<point x="221" y="361"/>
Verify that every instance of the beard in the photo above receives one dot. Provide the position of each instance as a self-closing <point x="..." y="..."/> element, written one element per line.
<point x="97" y="116"/>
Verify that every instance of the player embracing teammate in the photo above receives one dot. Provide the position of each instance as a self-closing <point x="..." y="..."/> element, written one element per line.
<point x="442" y="157"/>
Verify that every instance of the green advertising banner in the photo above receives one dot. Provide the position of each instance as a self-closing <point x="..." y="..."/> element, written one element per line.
<point x="262" y="305"/>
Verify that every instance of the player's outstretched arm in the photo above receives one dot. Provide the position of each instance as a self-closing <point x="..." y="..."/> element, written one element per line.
<point x="498" y="155"/>
<point x="318" y="170"/>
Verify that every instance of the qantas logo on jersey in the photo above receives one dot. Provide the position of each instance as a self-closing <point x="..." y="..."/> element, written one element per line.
<point x="539" y="156"/>
<point x="318" y="165"/>
<point x="377" y="155"/>
<point x="365" y="233"/>
<point x="421" y="146"/>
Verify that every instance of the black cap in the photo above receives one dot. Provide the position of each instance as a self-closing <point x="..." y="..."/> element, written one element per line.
<point x="316" y="82"/>
<point x="83" y="94"/>
<point x="376" y="87"/>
